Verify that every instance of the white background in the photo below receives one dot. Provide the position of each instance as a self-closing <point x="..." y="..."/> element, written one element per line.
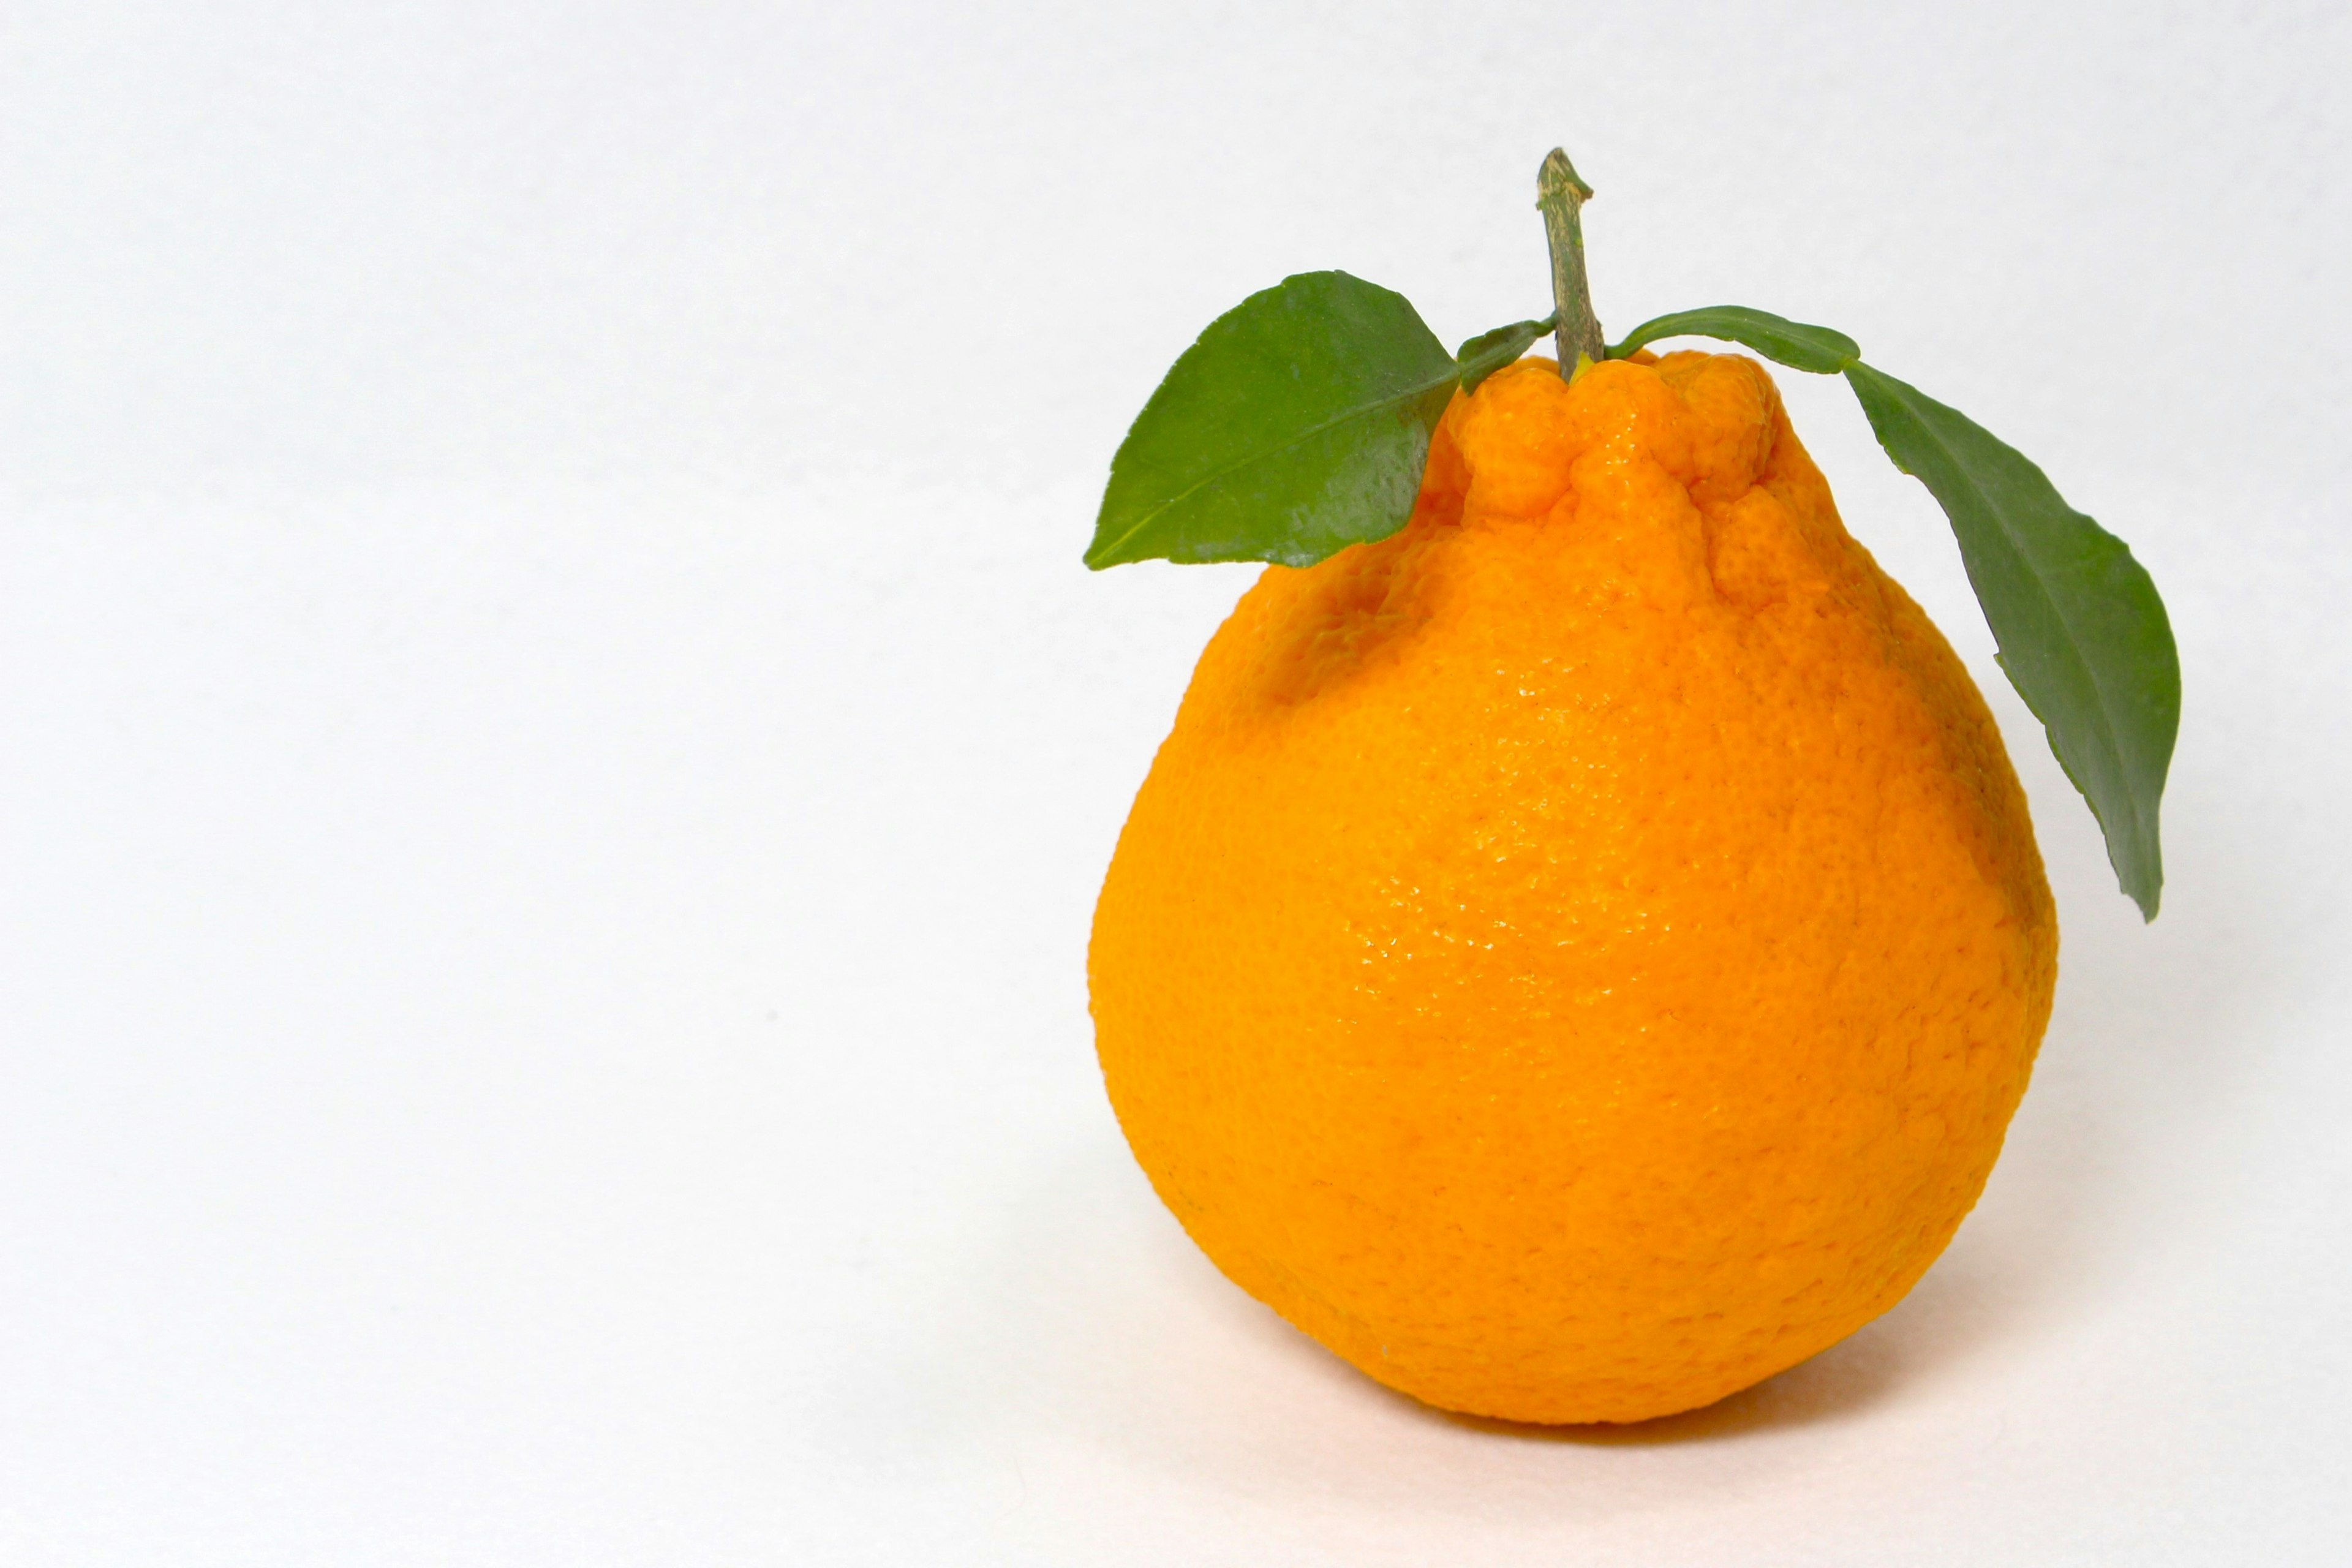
<point x="556" y="754"/>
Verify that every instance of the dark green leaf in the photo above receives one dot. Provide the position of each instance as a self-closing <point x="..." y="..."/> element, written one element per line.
<point x="1488" y="353"/>
<point x="1297" y="426"/>
<point x="1793" y="343"/>
<point x="2083" y="635"/>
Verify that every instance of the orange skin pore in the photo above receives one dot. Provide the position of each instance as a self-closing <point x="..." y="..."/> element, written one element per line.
<point x="1578" y="956"/>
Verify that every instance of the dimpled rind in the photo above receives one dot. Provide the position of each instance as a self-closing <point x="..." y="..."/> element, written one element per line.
<point x="1578" y="956"/>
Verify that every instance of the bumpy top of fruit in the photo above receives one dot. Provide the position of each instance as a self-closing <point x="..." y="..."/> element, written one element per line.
<point x="1298" y="423"/>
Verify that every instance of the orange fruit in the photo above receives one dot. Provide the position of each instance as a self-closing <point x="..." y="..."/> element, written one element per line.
<point x="1578" y="956"/>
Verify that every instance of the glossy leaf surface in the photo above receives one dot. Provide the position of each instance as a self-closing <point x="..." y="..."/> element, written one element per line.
<point x="1298" y="425"/>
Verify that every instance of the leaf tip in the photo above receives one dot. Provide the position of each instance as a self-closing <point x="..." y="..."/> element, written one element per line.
<point x="2146" y="887"/>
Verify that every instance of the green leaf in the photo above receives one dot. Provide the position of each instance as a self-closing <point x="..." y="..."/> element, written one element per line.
<point x="1488" y="353"/>
<point x="1821" y="350"/>
<point x="2083" y="635"/>
<point x="1297" y="426"/>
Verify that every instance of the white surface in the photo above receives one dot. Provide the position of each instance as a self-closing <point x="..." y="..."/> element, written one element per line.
<point x="557" y="755"/>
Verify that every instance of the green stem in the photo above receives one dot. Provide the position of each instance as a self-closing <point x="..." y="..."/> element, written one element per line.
<point x="1559" y="194"/>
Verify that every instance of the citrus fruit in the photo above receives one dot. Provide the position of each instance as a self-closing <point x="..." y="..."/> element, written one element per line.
<point x="1577" y="955"/>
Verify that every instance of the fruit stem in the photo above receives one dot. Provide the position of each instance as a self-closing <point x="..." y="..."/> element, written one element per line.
<point x="1559" y="194"/>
